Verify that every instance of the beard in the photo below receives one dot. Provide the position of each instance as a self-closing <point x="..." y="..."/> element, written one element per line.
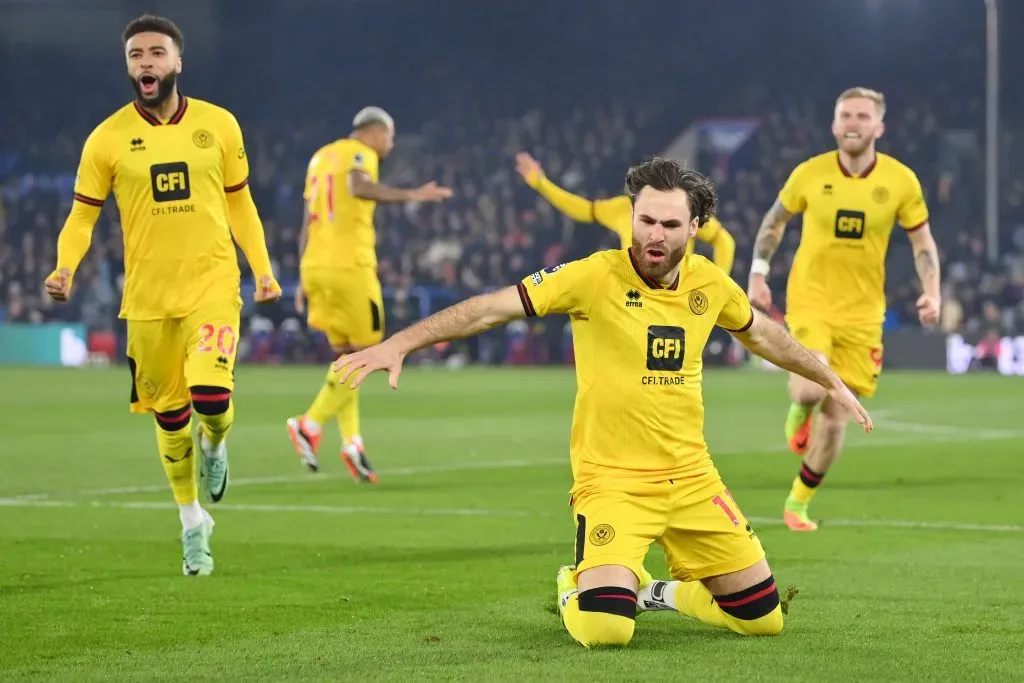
<point x="657" y="271"/>
<point x="855" y="148"/>
<point x="164" y="88"/>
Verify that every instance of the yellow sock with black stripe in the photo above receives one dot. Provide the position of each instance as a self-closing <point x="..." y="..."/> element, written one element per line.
<point x="177" y="455"/>
<point x="753" y="611"/>
<point x="805" y="485"/>
<point x="216" y="410"/>
<point x="600" y="616"/>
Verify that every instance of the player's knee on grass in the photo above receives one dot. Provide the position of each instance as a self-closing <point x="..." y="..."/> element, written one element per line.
<point x="174" y="420"/>
<point x="603" y="616"/>
<point x="754" y="611"/>
<point x="211" y="401"/>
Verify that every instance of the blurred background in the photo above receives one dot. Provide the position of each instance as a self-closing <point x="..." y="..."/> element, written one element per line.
<point x="742" y="90"/>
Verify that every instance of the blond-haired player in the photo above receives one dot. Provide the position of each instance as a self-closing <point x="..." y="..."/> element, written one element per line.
<point x="850" y="199"/>
<point x="339" y="287"/>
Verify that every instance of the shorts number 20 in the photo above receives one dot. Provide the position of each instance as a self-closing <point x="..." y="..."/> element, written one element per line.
<point x="225" y="339"/>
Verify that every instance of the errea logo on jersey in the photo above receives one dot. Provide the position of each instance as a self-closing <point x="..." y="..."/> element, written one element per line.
<point x="170" y="182"/>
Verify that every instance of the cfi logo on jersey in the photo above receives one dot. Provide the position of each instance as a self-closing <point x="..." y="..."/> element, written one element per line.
<point x="698" y="302"/>
<point x="202" y="139"/>
<point x="170" y="182"/>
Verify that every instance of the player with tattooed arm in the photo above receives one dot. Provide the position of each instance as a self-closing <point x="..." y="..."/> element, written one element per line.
<point x="850" y="199"/>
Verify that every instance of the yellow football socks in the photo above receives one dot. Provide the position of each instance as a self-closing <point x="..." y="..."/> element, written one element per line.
<point x="805" y="484"/>
<point x="178" y="458"/>
<point x="339" y="400"/>
<point x="601" y="622"/>
<point x="755" y="611"/>
<point x="216" y="427"/>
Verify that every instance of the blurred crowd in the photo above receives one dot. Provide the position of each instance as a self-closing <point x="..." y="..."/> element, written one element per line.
<point x="496" y="230"/>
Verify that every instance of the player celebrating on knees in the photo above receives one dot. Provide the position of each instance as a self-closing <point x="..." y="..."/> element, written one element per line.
<point x="835" y="295"/>
<point x="338" y="268"/>
<point x="616" y="213"/>
<point x="641" y="469"/>
<point x="178" y="170"/>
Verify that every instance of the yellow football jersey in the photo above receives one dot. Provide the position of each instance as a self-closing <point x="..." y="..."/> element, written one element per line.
<point x="169" y="180"/>
<point x="340" y="226"/>
<point x="639" y="411"/>
<point x="838" y="273"/>
<point x="616" y="214"/>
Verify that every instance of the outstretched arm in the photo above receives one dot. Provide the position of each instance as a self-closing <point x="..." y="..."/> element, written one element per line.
<point x="464" y="319"/>
<point x="722" y="244"/>
<point x="362" y="186"/>
<point x="768" y="340"/>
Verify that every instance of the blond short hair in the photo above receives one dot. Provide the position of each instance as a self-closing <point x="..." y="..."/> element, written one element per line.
<point x="865" y="93"/>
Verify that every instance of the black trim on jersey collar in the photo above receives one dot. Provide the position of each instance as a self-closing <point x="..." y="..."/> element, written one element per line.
<point x="865" y="174"/>
<point x="647" y="281"/>
<point x="154" y="121"/>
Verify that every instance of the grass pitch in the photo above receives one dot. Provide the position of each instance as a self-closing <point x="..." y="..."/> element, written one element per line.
<point x="445" y="571"/>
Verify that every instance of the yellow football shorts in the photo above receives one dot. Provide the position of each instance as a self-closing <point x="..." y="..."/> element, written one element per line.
<point x="168" y="356"/>
<point x="696" y="521"/>
<point x="346" y="304"/>
<point x="854" y="352"/>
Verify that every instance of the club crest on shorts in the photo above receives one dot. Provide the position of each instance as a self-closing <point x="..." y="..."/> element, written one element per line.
<point x="202" y="139"/>
<point x="698" y="302"/>
<point x="602" y="534"/>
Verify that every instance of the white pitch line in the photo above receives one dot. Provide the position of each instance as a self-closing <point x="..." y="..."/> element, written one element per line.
<point x="476" y="512"/>
<point x="947" y="430"/>
<point x="900" y="524"/>
<point x="873" y="442"/>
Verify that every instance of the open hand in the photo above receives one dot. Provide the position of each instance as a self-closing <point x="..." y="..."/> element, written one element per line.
<point x="842" y="395"/>
<point x="529" y="168"/>
<point x="431" y="192"/>
<point x="358" y="365"/>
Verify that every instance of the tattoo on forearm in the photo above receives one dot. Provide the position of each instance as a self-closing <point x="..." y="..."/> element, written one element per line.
<point x="927" y="264"/>
<point x="773" y="226"/>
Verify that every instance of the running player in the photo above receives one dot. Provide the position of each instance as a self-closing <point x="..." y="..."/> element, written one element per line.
<point x="178" y="170"/>
<point x="835" y="294"/>
<point x="338" y="267"/>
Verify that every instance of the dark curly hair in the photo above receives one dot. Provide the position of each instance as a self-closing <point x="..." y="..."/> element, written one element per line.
<point x="666" y="175"/>
<point x="150" y="23"/>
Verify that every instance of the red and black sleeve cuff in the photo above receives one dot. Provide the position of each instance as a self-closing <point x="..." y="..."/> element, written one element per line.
<point x="531" y="312"/>
<point x="916" y="227"/>
<point x="91" y="201"/>
<point x="236" y="188"/>
<point x="745" y="327"/>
